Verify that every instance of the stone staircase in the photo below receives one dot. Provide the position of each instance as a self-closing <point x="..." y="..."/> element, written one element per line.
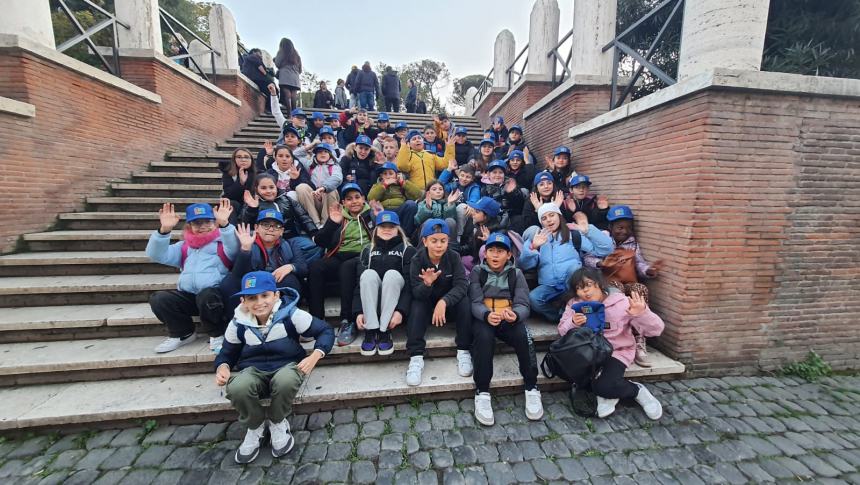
<point x="76" y="331"/>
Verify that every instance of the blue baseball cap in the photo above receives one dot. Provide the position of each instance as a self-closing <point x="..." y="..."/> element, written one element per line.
<point x="389" y="166"/>
<point x="401" y="125"/>
<point x="199" y="211"/>
<point x="579" y="179"/>
<point x="317" y="116"/>
<point x="488" y="141"/>
<point x="413" y="133"/>
<point x="383" y="117"/>
<point x="298" y="112"/>
<point x="541" y="176"/>
<point x="434" y="226"/>
<point x="289" y="128"/>
<point x="499" y="119"/>
<point x="561" y="151"/>
<point x="257" y="282"/>
<point x="348" y="187"/>
<point x="362" y="140"/>
<point x="619" y="212"/>
<point x="461" y="130"/>
<point x="326" y="130"/>
<point x="331" y="116"/>
<point x="517" y="154"/>
<point x="387" y="217"/>
<point x="496" y="164"/>
<point x="270" y="214"/>
<point x="487" y="205"/>
<point x="516" y="128"/>
<point x="324" y="146"/>
<point x="498" y="238"/>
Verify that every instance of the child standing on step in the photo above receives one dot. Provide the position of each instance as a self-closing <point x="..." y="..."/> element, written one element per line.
<point x="439" y="296"/>
<point x="500" y="307"/>
<point x="262" y="345"/>
<point x="204" y="257"/>
<point x="623" y="315"/>
<point x="382" y="297"/>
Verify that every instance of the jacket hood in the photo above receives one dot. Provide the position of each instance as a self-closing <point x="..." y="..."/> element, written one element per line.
<point x="349" y="216"/>
<point x="283" y="308"/>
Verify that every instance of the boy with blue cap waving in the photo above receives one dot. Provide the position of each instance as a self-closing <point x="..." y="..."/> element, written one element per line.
<point x="262" y="345"/>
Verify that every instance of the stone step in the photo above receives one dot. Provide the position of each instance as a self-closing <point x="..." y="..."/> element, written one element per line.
<point x="42" y="362"/>
<point x="145" y="204"/>
<point x="196" y="398"/>
<point x="111" y="220"/>
<point x="179" y="166"/>
<point x="67" y="263"/>
<point x="165" y="190"/>
<point x="206" y="175"/>
<point x="27" y="291"/>
<point x="373" y="114"/>
<point x="88" y="240"/>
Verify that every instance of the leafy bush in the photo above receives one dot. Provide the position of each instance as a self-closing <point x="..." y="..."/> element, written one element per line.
<point x="811" y="369"/>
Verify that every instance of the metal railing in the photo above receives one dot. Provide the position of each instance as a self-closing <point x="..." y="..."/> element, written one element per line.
<point x="555" y="53"/>
<point x="643" y="61"/>
<point x="85" y="35"/>
<point x="484" y="87"/>
<point x="172" y="24"/>
<point x="511" y="72"/>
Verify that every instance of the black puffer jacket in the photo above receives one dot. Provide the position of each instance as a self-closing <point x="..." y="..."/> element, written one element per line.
<point x="297" y="222"/>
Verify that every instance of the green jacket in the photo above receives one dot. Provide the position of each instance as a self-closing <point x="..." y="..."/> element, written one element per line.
<point x="439" y="210"/>
<point x="394" y="195"/>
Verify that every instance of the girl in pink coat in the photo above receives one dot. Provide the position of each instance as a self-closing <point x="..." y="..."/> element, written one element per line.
<point x="622" y="315"/>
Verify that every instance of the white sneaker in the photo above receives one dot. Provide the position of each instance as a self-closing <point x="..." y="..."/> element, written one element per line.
<point x="282" y="439"/>
<point x="172" y="343"/>
<point x="534" y="406"/>
<point x="413" y="372"/>
<point x="484" y="409"/>
<point x="652" y="407"/>
<point x="605" y="407"/>
<point x="215" y="344"/>
<point x="250" y="447"/>
<point x="464" y="363"/>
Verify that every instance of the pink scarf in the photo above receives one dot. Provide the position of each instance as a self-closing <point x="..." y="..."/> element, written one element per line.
<point x="197" y="241"/>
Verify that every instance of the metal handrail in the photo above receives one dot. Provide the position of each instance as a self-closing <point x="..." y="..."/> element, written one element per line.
<point x="170" y="21"/>
<point x="486" y="84"/>
<point x="557" y="59"/>
<point x="643" y="61"/>
<point x="510" y="70"/>
<point x="84" y="35"/>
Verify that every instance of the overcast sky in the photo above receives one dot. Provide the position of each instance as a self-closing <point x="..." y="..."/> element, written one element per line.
<point x="332" y="35"/>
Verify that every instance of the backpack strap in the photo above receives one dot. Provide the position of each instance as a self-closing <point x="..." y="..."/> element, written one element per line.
<point x="576" y="240"/>
<point x="222" y="255"/>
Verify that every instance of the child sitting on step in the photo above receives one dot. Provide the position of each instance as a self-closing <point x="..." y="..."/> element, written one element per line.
<point x="595" y="207"/>
<point x="393" y="192"/>
<point x="622" y="315"/>
<point x="461" y="179"/>
<point x="204" y="257"/>
<point x="262" y="346"/>
<point x="289" y="173"/>
<point x="326" y="177"/>
<point x="382" y="297"/>
<point x="237" y="176"/>
<point x="500" y="307"/>
<point x="418" y="164"/>
<point x="560" y="166"/>
<point x="438" y="205"/>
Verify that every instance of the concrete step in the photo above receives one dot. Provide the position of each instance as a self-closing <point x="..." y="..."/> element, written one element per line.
<point x="67" y="263"/>
<point x="209" y="175"/>
<point x="111" y="220"/>
<point x="166" y="190"/>
<point x="401" y="116"/>
<point x="182" y="166"/>
<point x="42" y="362"/>
<point x="145" y="204"/>
<point x="27" y="291"/>
<point x="196" y="398"/>
<point x="89" y="240"/>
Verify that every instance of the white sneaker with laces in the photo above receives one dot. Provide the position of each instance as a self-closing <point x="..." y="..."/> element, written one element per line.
<point x="250" y="447"/>
<point x="413" y="372"/>
<point x="534" y="406"/>
<point x="282" y="439"/>
<point x="484" y="409"/>
<point x="652" y="407"/>
<point x="172" y="343"/>
<point x="215" y="344"/>
<point x="641" y="358"/>
<point x="464" y="363"/>
<point x="605" y="407"/>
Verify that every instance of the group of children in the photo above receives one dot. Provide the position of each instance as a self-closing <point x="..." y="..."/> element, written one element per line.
<point x="408" y="228"/>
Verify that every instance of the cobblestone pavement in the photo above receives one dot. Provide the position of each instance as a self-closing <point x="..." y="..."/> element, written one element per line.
<point x="731" y="430"/>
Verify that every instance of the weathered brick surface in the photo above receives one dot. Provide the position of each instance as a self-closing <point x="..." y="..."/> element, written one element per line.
<point x="483" y="111"/>
<point x="86" y="133"/>
<point x="512" y="108"/>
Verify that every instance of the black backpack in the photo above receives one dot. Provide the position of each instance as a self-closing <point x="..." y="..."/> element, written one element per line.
<point x="577" y="356"/>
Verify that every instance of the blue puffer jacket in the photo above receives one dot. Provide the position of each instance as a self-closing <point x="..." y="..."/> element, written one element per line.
<point x="269" y="348"/>
<point x="203" y="267"/>
<point x="556" y="261"/>
<point x="472" y="192"/>
<point x="286" y="252"/>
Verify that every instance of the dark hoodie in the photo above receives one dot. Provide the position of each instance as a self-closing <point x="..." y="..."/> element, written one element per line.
<point x="451" y="285"/>
<point x="469" y="242"/>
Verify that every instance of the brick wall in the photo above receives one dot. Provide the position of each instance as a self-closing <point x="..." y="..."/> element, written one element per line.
<point x="483" y="111"/>
<point x="751" y="200"/>
<point x="86" y="133"/>
<point x="526" y="95"/>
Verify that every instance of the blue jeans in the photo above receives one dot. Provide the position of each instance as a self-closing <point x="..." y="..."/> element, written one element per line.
<point x="406" y="212"/>
<point x="542" y="299"/>
<point x="367" y="99"/>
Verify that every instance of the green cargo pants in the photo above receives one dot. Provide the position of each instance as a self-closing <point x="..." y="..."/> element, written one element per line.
<point x="246" y="388"/>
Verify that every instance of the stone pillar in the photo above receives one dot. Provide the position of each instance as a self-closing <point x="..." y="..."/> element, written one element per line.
<point x="504" y="51"/>
<point x="470" y="96"/>
<point x="142" y="17"/>
<point x="222" y="37"/>
<point x="543" y="37"/>
<point x="200" y="56"/>
<point x="728" y="34"/>
<point x="30" y="19"/>
<point x="593" y="28"/>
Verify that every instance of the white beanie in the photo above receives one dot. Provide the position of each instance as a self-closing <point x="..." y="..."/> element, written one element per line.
<point x="548" y="207"/>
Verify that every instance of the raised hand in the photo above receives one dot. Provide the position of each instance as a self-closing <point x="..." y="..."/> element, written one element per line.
<point x="272" y="89"/>
<point x="429" y="276"/>
<point x="246" y="238"/>
<point x="558" y="199"/>
<point x="602" y="202"/>
<point x="654" y="269"/>
<point x="637" y="304"/>
<point x="581" y="221"/>
<point x="548" y="163"/>
<point x="251" y="200"/>
<point x="243" y="176"/>
<point x="535" y="200"/>
<point x="428" y="201"/>
<point x="168" y="218"/>
<point x="526" y="158"/>
<point x="485" y="233"/>
<point x="439" y="313"/>
<point x="540" y="238"/>
<point x="222" y="212"/>
<point x="269" y="147"/>
<point x="293" y="172"/>
<point x="452" y="164"/>
<point x="510" y="185"/>
<point x="454" y="196"/>
<point x="335" y="212"/>
<point x="379" y="156"/>
<point x="376" y="207"/>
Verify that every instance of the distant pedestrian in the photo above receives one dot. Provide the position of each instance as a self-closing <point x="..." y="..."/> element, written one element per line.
<point x="341" y="99"/>
<point x="391" y="90"/>
<point x="411" y="96"/>
<point x="323" y="98"/>
<point x="289" y="65"/>
<point x="367" y="86"/>
<point x="350" y="85"/>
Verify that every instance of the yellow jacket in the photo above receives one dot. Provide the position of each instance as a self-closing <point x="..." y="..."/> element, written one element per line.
<point x="422" y="166"/>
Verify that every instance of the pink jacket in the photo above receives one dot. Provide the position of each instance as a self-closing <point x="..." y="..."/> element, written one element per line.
<point x="619" y="325"/>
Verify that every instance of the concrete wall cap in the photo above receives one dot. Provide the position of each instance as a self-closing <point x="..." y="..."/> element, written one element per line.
<point x="17" y="108"/>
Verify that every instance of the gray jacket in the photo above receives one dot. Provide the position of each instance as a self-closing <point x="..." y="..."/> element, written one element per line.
<point x="520" y="298"/>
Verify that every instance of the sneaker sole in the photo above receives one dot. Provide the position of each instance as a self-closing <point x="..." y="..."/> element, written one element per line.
<point x="485" y="423"/>
<point x="249" y="460"/>
<point x="533" y="417"/>
<point x="368" y="353"/>
<point x="278" y="454"/>
<point x="182" y="343"/>
<point x="385" y="352"/>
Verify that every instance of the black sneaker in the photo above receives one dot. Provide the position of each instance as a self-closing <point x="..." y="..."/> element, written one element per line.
<point x="384" y="344"/>
<point x="347" y="333"/>
<point x="368" y="346"/>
